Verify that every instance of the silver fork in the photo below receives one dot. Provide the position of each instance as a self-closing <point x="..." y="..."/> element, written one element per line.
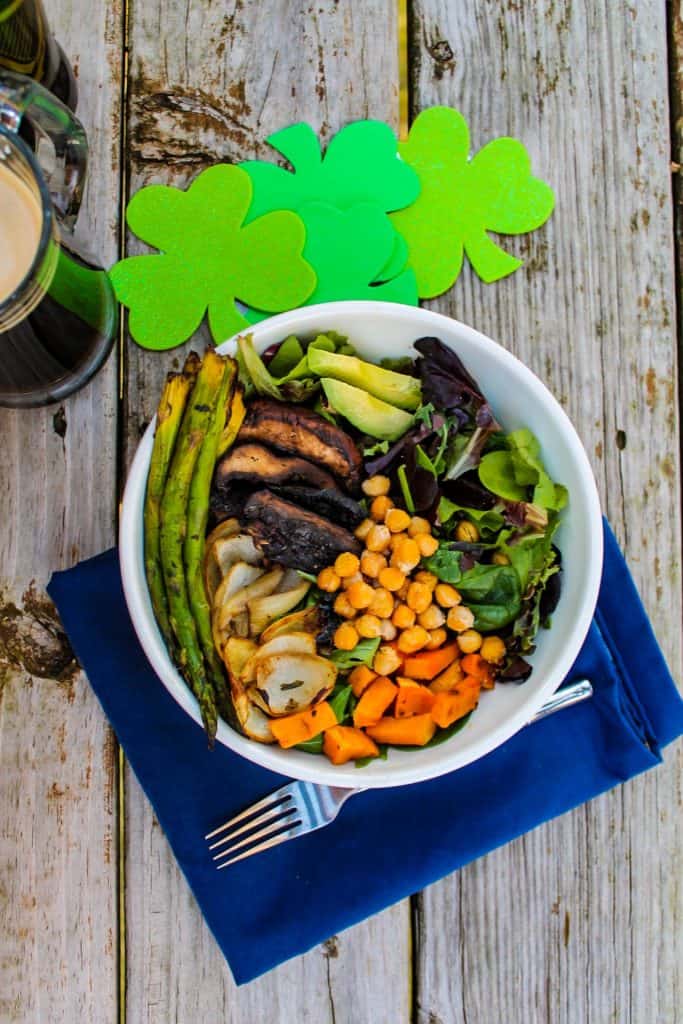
<point x="302" y="807"/>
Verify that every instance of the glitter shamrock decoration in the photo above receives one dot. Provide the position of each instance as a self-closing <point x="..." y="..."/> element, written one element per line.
<point x="461" y="200"/>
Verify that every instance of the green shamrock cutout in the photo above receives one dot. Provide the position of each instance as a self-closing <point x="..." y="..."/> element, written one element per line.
<point x="461" y="200"/>
<point x="360" y="165"/>
<point x="208" y="259"/>
<point x="348" y="249"/>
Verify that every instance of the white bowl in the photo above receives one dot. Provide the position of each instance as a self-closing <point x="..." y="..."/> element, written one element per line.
<point x="518" y="399"/>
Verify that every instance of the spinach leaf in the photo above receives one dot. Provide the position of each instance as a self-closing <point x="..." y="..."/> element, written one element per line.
<point x="288" y="355"/>
<point x="488" y="521"/>
<point x="493" y="594"/>
<point x="362" y="654"/>
<point x="512" y="472"/>
<point x="497" y="474"/>
<point x="339" y="701"/>
<point x="314" y="746"/>
<point x="445" y="563"/>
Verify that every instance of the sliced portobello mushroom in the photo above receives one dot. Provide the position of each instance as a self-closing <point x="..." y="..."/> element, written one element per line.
<point x="293" y="536"/>
<point x="330" y="504"/>
<point x="286" y="683"/>
<point x="260" y="466"/>
<point x="299" y="431"/>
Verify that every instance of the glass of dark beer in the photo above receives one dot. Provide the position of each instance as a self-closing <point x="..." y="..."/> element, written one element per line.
<point x="58" y="313"/>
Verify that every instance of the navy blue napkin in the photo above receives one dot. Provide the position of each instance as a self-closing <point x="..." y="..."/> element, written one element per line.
<point x="281" y="903"/>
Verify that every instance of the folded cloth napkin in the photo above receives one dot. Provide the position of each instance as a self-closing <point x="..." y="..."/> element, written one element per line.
<point x="280" y="903"/>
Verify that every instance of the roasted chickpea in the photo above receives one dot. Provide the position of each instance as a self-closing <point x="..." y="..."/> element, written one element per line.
<point x="460" y="618"/>
<point x="437" y="638"/>
<point x="413" y="639"/>
<point x="374" y="486"/>
<point x="379" y="507"/>
<point x="406" y="555"/>
<point x="382" y="604"/>
<point x="419" y="525"/>
<point x="372" y="563"/>
<point x="343" y="607"/>
<point x="403" y="617"/>
<point x="368" y="626"/>
<point x="346" y="564"/>
<point x="391" y="578"/>
<point x="360" y="594"/>
<point x="426" y="543"/>
<point x="397" y="520"/>
<point x="492" y="649"/>
<point x="467" y="531"/>
<point x="469" y="641"/>
<point x="363" y="529"/>
<point x="328" y="580"/>
<point x="386" y="660"/>
<point x="345" y="637"/>
<point x="378" y="538"/>
<point x="419" y="597"/>
<point x="432" y="617"/>
<point x="446" y="595"/>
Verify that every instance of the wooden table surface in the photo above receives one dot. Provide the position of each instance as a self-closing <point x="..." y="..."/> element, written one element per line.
<point x="579" y="921"/>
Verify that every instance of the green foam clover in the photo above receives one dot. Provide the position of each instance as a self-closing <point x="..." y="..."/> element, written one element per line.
<point x="348" y="249"/>
<point x="461" y="200"/>
<point x="360" y="165"/>
<point x="208" y="259"/>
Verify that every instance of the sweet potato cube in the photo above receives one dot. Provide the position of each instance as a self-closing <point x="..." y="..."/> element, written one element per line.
<point x="428" y="664"/>
<point x="404" y="732"/>
<point x="343" y="743"/>
<point x="449" y="706"/>
<point x="360" y="679"/>
<point x="448" y="679"/>
<point x="374" y="702"/>
<point x="304" y="725"/>
<point x="413" y="700"/>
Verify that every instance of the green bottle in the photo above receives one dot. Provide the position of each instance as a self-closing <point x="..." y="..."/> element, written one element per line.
<point x="28" y="47"/>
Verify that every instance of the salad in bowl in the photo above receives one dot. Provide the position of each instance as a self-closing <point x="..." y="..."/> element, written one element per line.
<point x="348" y="556"/>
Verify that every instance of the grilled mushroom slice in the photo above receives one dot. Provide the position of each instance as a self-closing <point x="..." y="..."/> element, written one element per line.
<point x="302" y="432"/>
<point x="330" y="504"/>
<point x="291" y="536"/>
<point x="260" y="466"/>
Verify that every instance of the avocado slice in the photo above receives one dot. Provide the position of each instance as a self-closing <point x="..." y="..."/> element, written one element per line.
<point x="364" y="411"/>
<point x="395" y="388"/>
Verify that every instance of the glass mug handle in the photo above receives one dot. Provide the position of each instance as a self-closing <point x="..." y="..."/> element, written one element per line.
<point x="61" y="146"/>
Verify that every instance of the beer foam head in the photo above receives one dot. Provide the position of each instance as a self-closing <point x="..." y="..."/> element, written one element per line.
<point x="21" y="221"/>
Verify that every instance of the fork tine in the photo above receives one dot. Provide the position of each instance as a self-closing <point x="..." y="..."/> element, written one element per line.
<point x="272" y="829"/>
<point x="278" y="796"/>
<point x="280" y="811"/>
<point x="291" y="833"/>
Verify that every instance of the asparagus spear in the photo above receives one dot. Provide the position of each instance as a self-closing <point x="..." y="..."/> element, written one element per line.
<point x="169" y="416"/>
<point x="174" y="508"/>
<point x="193" y="549"/>
<point x="233" y="421"/>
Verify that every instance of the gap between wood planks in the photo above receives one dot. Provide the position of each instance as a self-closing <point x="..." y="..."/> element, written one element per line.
<point x="120" y="477"/>
<point x="675" y="58"/>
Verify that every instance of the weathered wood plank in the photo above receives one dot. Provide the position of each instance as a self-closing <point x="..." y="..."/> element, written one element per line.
<point x="581" y="920"/>
<point x="210" y="84"/>
<point x="58" y="959"/>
